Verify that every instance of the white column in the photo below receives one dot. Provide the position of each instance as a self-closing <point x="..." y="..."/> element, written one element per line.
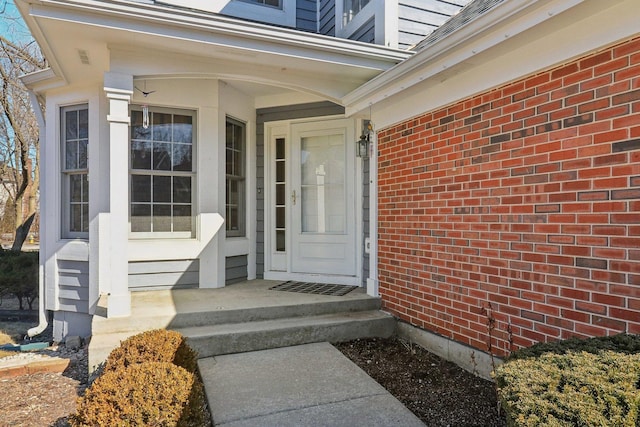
<point x="372" y="281"/>
<point x="118" y="89"/>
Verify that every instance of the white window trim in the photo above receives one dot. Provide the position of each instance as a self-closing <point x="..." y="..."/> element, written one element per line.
<point x="193" y="234"/>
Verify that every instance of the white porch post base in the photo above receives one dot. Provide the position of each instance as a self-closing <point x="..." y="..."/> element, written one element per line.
<point x="119" y="305"/>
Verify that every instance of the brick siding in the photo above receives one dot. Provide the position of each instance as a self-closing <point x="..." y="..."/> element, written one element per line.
<point x="521" y="204"/>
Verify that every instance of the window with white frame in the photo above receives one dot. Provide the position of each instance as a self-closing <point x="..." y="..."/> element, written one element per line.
<point x="75" y="171"/>
<point x="273" y="3"/>
<point x="162" y="172"/>
<point x="351" y="9"/>
<point x="235" y="178"/>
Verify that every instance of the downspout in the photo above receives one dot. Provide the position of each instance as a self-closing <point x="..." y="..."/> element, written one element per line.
<point x="42" y="314"/>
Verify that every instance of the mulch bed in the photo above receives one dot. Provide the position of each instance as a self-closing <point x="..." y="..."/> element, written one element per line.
<point x="438" y="392"/>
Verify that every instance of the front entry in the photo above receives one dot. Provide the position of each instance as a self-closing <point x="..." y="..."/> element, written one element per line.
<point x="312" y="203"/>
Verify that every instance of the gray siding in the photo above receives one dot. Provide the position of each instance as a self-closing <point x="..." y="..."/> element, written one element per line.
<point x="366" y="230"/>
<point x="235" y="269"/>
<point x="418" y="18"/>
<point x="327" y="25"/>
<point x="288" y="112"/>
<point x="366" y="33"/>
<point x="306" y="15"/>
<point x="73" y="285"/>
<point x="174" y="274"/>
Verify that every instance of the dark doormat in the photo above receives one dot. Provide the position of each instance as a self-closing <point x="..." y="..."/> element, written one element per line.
<point x="313" y="288"/>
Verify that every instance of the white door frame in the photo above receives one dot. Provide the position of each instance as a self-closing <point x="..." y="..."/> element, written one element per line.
<point x="277" y="266"/>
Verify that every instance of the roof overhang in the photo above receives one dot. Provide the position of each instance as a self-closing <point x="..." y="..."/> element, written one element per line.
<point x="486" y="38"/>
<point x="78" y="37"/>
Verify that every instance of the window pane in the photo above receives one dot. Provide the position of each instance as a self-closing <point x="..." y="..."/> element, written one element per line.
<point x="71" y="125"/>
<point x="85" y="188"/>
<point x="161" y="218"/>
<point x="280" y="149"/>
<point x="161" y="126"/>
<point x="238" y="169"/>
<point x="141" y="217"/>
<point x="161" y="156"/>
<point x="280" y="241"/>
<point x="323" y="172"/>
<point x="280" y="171"/>
<point x="85" y="218"/>
<point x="232" y="218"/>
<point x="75" y="224"/>
<point x="232" y="192"/>
<point x="229" y="162"/>
<point x="182" y="157"/>
<point x="162" y="189"/>
<point x="182" y="128"/>
<point x="280" y="216"/>
<point x="182" y="218"/>
<point x="140" y="188"/>
<point x="82" y="153"/>
<point x="137" y="130"/>
<point x="83" y="123"/>
<point x="181" y="189"/>
<point x="280" y="194"/>
<point x="75" y="188"/>
<point x="71" y="155"/>
<point x="141" y="155"/>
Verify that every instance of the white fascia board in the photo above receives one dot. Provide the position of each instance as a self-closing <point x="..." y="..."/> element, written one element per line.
<point x="42" y="80"/>
<point x="462" y="45"/>
<point x="36" y="32"/>
<point x="221" y="30"/>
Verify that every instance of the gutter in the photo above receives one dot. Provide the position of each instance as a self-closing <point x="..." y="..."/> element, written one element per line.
<point x="42" y="313"/>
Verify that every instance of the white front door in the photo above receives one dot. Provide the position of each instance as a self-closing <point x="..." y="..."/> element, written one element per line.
<point x="314" y="227"/>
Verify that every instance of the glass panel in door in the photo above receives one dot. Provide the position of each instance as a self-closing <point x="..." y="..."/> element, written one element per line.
<point x="323" y="204"/>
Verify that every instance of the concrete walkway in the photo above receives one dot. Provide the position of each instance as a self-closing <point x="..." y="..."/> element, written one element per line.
<point x="305" y="385"/>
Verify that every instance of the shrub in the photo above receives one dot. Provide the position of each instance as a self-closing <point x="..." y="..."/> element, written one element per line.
<point x="125" y="395"/>
<point x="19" y="276"/>
<point x="571" y="389"/>
<point x="158" y="345"/>
<point x="146" y="394"/>
<point x="621" y="343"/>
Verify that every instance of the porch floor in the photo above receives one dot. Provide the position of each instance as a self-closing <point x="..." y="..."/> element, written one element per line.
<point x="244" y="295"/>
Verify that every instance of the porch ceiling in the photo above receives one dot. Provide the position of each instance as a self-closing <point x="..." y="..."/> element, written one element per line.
<point x="83" y="39"/>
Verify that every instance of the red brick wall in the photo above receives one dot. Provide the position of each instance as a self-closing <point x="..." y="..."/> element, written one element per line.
<point x="523" y="201"/>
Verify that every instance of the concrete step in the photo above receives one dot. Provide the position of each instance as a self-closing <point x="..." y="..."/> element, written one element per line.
<point x="261" y="335"/>
<point x="170" y="318"/>
<point x="227" y="338"/>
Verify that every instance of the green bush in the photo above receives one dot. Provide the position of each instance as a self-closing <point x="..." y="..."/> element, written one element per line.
<point x="146" y="394"/>
<point x="158" y="345"/>
<point x="621" y="343"/>
<point x="600" y="388"/>
<point x="19" y="276"/>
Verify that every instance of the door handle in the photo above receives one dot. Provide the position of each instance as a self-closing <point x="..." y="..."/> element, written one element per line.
<point x="293" y="197"/>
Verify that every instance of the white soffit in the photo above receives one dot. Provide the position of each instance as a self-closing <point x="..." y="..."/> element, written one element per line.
<point x="181" y="25"/>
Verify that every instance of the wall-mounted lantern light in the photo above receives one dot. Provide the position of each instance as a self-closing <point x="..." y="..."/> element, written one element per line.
<point x="362" y="145"/>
